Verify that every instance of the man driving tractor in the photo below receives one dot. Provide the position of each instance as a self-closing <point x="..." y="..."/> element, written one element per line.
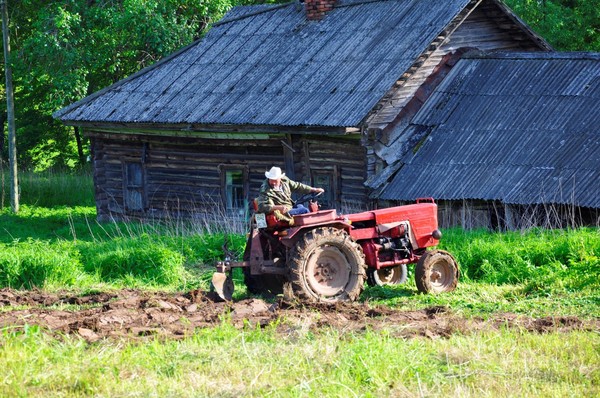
<point x="324" y="256"/>
<point x="275" y="195"/>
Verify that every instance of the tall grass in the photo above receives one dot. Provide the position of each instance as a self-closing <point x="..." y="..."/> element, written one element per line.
<point x="541" y="259"/>
<point x="35" y="263"/>
<point x="551" y="268"/>
<point x="65" y="246"/>
<point x="73" y="249"/>
<point x="50" y="188"/>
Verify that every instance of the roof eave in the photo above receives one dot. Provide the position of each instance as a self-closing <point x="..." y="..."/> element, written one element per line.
<point x="191" y="128"/>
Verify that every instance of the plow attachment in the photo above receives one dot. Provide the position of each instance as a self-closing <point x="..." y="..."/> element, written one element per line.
<point x="222" y="284"/>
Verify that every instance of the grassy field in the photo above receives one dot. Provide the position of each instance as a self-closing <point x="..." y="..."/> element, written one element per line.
<point x="227" y="362"/>
<point x="537" y="273"/>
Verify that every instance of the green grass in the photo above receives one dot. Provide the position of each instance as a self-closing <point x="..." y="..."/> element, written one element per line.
<point x="50" y="188"/>
<point x="227" y="362"/>
<point x="541" y="263"/>
<point x="65" y="247"/>
<point x="473" y="298"/>
<point x="536" y="273"/>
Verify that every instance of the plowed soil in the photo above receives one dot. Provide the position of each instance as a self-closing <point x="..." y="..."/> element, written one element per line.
<point x="134" y="314"/>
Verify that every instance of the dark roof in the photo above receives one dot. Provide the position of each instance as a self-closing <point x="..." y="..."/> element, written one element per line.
<point x="269" y="65"/>
<point x="518" y="128"/>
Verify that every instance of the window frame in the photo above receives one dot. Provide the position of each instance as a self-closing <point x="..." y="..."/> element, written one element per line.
<point x="132" y="186"/>
<point x="331" y="191"/>
<point x="226" y="201"/>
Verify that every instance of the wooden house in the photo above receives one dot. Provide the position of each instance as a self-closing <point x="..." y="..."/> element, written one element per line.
<point x="322" y="88"/>
<point x="508" y="140"/>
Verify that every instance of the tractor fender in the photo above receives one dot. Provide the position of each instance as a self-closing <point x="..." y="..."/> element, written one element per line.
<point x="295" y="233"/>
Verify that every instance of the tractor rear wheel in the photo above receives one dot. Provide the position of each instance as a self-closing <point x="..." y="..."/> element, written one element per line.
<point x="436" y="272"/>
<point x="395" y="275"/>
<point x="327" y="265"/>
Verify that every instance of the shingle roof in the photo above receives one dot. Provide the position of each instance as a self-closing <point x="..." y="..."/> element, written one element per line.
<point x="269" y="65"/>
<point x="519" y="128"/>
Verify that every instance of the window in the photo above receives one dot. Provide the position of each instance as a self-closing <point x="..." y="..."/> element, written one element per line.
<point x="325" y="181"/>
<point x="234" y="189"/>
<point x="133" y="189"/>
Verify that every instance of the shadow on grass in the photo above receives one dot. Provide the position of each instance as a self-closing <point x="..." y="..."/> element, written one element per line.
<point x="388" y="292"/>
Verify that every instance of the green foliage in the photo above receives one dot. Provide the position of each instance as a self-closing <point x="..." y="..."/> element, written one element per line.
<point x="65" y="50"/>
<point x="568" y="25"/>
<point x="139" y="261"/>
<point x="119" y="254"/>
<point x="543" y="260"/>
<point x="40" y="264"/>
<point x="536" y="263"/>
<point x="69" y="223"/>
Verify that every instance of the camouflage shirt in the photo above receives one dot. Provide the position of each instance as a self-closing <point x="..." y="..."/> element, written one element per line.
<point x="269" y="197"/>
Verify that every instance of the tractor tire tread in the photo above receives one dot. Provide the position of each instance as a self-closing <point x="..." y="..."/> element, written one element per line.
<point x="303" y="249"/>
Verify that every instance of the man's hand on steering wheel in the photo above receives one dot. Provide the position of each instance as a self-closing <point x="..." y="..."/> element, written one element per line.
<point x="309" y="197"/>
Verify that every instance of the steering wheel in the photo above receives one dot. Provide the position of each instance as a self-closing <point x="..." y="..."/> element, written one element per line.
<point x="309" y="197"/>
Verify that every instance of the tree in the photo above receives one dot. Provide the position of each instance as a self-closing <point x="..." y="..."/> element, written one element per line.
<point x="568" y="25"/>
<point x="68" y="49"/>
<point x="14" y="187"/>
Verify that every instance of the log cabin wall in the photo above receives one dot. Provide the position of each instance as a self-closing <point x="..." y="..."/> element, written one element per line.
<point x="180" y="175"/>
<point x="184" y="176"/>
<point x="337" y="164"/>
<point x="494" y="215"/>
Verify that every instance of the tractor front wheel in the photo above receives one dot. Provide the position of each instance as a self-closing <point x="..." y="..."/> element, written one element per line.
<point x="327" y="265"/>
<point x="436" y="272"/>
<point x="395" y="275"/>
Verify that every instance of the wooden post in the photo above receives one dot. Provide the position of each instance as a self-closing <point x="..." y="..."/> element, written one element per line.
<point x="10" y="110"/>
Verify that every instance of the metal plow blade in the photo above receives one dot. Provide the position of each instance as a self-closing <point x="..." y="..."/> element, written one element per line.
<point x="222" y="284"/>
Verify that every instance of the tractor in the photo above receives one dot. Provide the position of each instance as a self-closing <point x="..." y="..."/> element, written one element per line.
<point x="323" y="256"/>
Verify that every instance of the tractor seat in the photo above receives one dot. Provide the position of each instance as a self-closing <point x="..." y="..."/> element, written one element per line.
<point x="273" y="222"/>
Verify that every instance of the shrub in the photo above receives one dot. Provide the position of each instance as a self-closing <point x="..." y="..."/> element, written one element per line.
<point x="541" y="259"/>
<point x="36" y="263"/>
<point x="144" y="258"/>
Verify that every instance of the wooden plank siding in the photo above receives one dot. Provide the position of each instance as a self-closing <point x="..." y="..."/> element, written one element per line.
<point x="486" y="28"/>
<point x="183" y="175"/>
<point x="343" y="158"/>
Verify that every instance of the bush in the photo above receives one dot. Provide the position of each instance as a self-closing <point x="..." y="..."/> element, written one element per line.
<point x="540" y="259"/>
<point x="146" y="259"/>
<point x="36" y="264"/>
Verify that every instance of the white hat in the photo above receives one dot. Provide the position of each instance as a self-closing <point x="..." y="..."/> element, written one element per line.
<point x="274" y="174"/>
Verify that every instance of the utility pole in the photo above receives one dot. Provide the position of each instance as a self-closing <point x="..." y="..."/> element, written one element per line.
<point x="10" y="110"/>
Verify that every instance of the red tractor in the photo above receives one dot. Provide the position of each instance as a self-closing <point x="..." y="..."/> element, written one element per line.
<point x="323" y="256"/>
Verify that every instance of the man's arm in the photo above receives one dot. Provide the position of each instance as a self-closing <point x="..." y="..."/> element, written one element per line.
<point x="266" y="204"/>
<point x="303" y="188"/>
